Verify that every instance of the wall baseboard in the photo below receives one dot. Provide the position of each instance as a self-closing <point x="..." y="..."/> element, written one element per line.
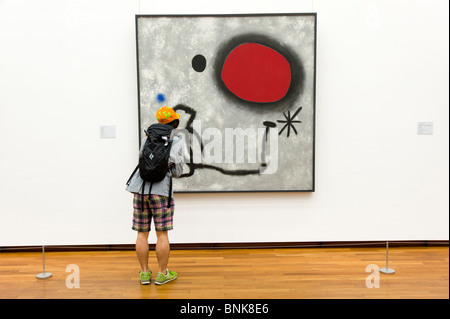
<point x="259" y="245"/>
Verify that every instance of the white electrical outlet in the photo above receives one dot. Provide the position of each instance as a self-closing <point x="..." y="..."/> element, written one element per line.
<point x="107" y="131"/>
<point x="424" y="128"/>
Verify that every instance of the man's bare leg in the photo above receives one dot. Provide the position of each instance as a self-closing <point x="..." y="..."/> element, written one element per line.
<point x="162" y="250"/>
<point x="142" y="250"/>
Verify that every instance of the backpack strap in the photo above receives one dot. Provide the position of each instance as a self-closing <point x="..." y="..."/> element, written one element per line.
<point x="170" y="194"/>
<point x="149" y="196"/>
<point x="142" y="196"/>
<point x="128" y="182"/>
<point x="150" y="189"/>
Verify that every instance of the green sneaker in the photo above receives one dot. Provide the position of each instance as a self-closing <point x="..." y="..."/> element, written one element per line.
<point x="145" y="277"/>
<point x="162" y="279"/>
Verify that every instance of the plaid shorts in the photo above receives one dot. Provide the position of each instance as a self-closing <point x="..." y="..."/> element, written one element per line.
<point x="155" y="207"/>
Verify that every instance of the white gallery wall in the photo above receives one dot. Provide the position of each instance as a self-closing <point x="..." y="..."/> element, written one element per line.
<point x="69" y="67"/>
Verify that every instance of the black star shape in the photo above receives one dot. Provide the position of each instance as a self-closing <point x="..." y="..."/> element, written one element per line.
<point x="289" y="122"/>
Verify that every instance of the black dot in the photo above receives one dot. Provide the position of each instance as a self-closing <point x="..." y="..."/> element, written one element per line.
<point x="199" y="63"/>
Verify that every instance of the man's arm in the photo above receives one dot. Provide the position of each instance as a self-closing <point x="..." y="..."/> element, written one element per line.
<point x="177" y="159"/>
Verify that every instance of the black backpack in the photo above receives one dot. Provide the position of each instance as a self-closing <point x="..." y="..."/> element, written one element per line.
<point x="154" y="157"/>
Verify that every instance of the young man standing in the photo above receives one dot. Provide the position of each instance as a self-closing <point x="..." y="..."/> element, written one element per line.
<point x="155" y="206"/>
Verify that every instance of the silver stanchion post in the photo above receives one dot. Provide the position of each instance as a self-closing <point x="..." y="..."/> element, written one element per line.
<point x="43" y="274"/>
<point x="387" y="270"/>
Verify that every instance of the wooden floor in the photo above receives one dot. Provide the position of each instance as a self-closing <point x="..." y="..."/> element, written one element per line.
<point x="421" y="272"/>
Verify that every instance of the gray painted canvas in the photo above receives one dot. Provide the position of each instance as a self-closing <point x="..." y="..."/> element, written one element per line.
<point x="233" y="143"/>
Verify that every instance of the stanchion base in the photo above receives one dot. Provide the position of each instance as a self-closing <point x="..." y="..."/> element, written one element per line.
<point x="44" y="275"/>
<point x="387" y="271"/>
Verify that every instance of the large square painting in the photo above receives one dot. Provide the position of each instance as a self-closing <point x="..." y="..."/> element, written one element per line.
<point x="244" y="86"/>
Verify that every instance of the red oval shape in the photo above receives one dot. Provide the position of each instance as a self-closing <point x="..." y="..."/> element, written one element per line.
<point x="256" y="73"/>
